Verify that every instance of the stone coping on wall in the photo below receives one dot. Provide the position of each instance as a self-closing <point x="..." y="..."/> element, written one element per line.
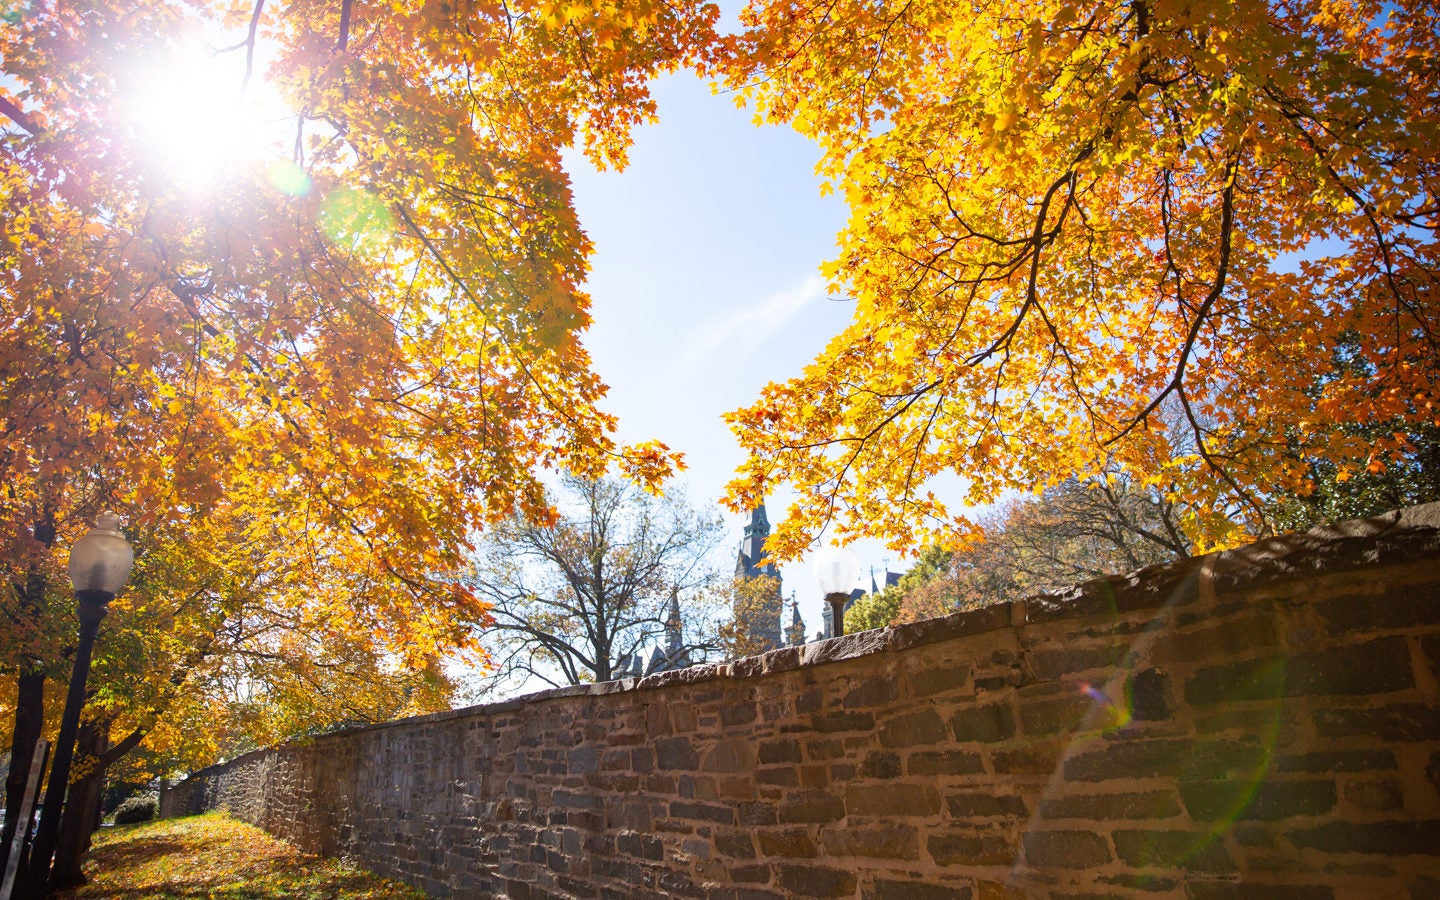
<point x="1389" y="539"/>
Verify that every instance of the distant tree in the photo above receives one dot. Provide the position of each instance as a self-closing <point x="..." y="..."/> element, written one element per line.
<point x="874" y="610"/>
<point x="1335" y="493"/>
<point x="753" y="601"/>
<point x="572" y="598"/>
<point x="885" y="606"/>
<point x="1072" y="532"/>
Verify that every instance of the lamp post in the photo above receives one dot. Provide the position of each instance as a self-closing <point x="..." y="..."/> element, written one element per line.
<point x="99" y="565"/>
<point x="836" y="571"/>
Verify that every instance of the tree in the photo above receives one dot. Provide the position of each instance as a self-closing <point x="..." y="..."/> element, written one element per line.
<point x="574" y="597"/>
<point x="1072" y="532"/>
<point x="366" y="336"/>
<point x="889" y="606"/>
<point x="1067" y="215"/>
<point x="752" y="601"/>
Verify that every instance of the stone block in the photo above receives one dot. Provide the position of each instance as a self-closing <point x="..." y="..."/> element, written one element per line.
<point x="1062" y="714"/>
<point x="826" y="749"/>
<point x="881" y="764"/>
<point x="1252" y="632"/>
<point x="828" y="723"/>
<point x="1403" y="606"/>
<point x="985" y="724"/>
<point x="892" y="800"/>
<point x="1375" y="667"/>
<point x="751" y="874"/>
<point x="1148" y="693"/>
<point x="1125" y="805"/>
<point x="970" y="849"/>
<point x="1149" y="884"/>
<point x="888" y="889"/>
<point x="878" y="689"/>
<point x="1430" y="649"/>
<point x="973" y="805"/>
<point x="1402" y="838"/>
<point x="676" y="884"/>
<point x="756" y="812"/>
<point x="940" y="680"/>
<point x="1337" y="761"/>
<point x="997" y="890"/>
<point x="735" y="844"/>
<point x="1066" y="849"/>
<point x="1253" y="890"/>
<point x="676" y="753"/>
<point x="886" y="841"/>
<point x="1053" y="664"/>
<point x="706" y="812"/>
<point x="945" y="762"/>
<point x="914" y="729"/>
<point x="1229" y="800"/>
<point x="811" y="806"/>
<point x="1396" y="722"/>
<point x="634" y="814"/>
<point x="783" y="776"/>
<point x="736" y="787"/>
<point x="583" y="760"/>
<point x="1194" y="851"/>
<point x="644" y="846"/>
<point x="730" y="755"/>
<point x="1245" y="718"/>
<point x="1041" y="759"/>
<point x="815" y="881"/>
<point x="1375" y="795"/>
<point x="738" y="712"/>
<point x="1173" y="757"/>
<point x="782" y="751"/>
<point x="788" y="842"/>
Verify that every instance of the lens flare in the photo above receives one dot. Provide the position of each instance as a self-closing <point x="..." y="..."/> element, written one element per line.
<point x="353" y="218"/>
<point x="288" y="178"/>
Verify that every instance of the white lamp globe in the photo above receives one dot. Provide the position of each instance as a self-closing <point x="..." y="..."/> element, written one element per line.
<point x="836" y="570"/>
<point x="101" y="560"/>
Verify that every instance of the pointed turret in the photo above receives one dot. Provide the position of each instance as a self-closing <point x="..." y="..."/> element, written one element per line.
<point x="673" y="638"/>
<point x="764" y="620"/>
<point x="795" y="634"/>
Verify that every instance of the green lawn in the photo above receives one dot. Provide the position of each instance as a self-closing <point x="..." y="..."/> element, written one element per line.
<point x="214" y="856"/>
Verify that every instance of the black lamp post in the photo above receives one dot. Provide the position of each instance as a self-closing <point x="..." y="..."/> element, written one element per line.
<point x="99" y="565"/>
<point x="836" y="571"/>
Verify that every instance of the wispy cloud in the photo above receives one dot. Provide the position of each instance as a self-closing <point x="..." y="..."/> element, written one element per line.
<point x="744" y="330"/>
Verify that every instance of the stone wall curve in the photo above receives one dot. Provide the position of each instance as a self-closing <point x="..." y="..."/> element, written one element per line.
<point x="1262" y="722"/>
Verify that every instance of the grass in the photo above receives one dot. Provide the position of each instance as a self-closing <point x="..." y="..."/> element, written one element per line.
<point x="215" y="856"/>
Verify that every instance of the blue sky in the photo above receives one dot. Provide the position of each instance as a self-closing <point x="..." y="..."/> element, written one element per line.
<point x="706" y="284"/>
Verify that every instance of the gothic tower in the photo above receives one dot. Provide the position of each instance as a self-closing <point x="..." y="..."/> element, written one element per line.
<point x="763" y="621"/>
<point x="795" y="633"/>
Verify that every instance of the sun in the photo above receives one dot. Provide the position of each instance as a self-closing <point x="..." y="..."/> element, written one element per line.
<point x="197" y="117"/>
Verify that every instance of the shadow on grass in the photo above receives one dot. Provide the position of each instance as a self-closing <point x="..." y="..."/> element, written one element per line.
<point x="135" y="853"/>
<point x="213" y="856"/>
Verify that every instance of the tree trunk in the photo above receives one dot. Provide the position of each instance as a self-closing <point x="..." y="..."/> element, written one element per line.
<point x="82" y="800"/>
<point x="30" y="685"/>
<point x="29" y="721"/>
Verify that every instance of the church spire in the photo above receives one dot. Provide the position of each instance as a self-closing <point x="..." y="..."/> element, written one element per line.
<point x="795" y="634"/>
<point x="673" y="639"/>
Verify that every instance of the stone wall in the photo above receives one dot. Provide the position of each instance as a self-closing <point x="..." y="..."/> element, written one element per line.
<point x="1257" y="723"/>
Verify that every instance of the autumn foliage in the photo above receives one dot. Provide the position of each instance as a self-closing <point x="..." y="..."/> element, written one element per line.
<point x="308" y="376"/>
<point x="1190" y="243"/>
<point x="1070" y="220"/>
